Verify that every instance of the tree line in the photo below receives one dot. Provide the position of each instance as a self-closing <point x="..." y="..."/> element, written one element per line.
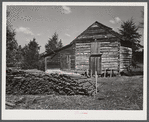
<point x="28" y="57"/>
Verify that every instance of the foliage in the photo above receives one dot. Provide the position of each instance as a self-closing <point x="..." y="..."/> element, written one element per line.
<point x="31" y="55"/>
<point x="11" y="46"/>
<point x="19" y="56"/>
<point x="130" y="35"/>
<point x="53" y="43"/>
<point x="41" y="64"/>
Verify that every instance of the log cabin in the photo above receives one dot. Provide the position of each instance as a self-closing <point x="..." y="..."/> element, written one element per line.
<point x="98" y="48"/>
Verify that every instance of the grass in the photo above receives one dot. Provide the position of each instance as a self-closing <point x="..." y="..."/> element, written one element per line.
<point x="116" y="93"/>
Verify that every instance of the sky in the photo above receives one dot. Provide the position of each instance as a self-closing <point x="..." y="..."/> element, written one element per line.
<point x="41" y="22"/>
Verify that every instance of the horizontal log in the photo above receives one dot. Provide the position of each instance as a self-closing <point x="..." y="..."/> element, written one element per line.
<point x="125" y="53"/>
<point x="108" y="53"/>
<point x="121" y="52"/>
<point x="111" y="68"/>
<point x="83" y="51"/>
<point x="112" y="46"/>
<point x="105" y="51"/>
<point x="90" y="39"/>
<point x="82" y="54"/>
<point x="109" y="45"/>
<point x="127" y="48"/>
<point x="81" y="63"/>
<point x="77" y="44"/>
<point x="81" y="67"/>
<point x="86" y="56"/>
<point x="123" y="65"/>
<point x="121" y="61"/>
<point x="125" y="57"/>
<point x="128" y="61"/>
<point x="111" y="61"/>
<point x="108" y="50"/>
<point x="110" y="56"/>
<point x="82" y="58"/>
<point x="110" y="64"/>
<point x="102" y="48"/>
<point x="109" y="42"/>
<point x="84" y="47"/>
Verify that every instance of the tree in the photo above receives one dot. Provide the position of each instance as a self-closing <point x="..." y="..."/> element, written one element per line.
<point x="53" y="43"/>
<point x="31" y="55"/>
<point x="11" y="44"/>
<point x="141" y="24"/>
<point x="130" y="35"/>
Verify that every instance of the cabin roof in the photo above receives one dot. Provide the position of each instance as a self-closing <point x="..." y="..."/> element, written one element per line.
<point x="57" y="50"/>
<point x="108" y="29"/>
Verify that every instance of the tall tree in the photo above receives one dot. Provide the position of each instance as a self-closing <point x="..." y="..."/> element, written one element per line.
<point x="11" y="44"/>
<point x="31" y="55"/>
<point x="129" y="32"/>
<point x="53" y="43"/>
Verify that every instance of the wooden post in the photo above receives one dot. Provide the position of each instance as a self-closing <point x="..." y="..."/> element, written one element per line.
<point x="105" y="73"/>
<point x="96" y="80"/>
<point x="87" y="73"/>
<point x="111" y="73"/>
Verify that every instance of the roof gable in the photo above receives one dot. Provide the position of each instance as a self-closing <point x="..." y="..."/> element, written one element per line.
<point x="97" y="30"/>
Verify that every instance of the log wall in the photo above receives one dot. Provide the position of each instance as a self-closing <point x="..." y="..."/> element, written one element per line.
<point x="125" y="57"/>
<point x="110" y="50"/>
<point x="64" y="59"/>
<point x="110" y="55"/>
<point x="82" y="54"/>
<point x="67" y="57"/>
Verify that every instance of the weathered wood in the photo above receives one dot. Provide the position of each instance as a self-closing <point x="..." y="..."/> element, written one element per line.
<point x="96" y="80"/>
<point x="95" y="64"/>
<point x="104" y="59"/>
<point x="94" y="47"/>
<point x="125" y="57"/>
<point x="113" y="68"/>
<point x="10" y="104"/>
<point x="109" y="56"/>
<point x="80" y="44"/>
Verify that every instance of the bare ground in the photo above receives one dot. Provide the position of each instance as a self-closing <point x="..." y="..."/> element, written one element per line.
<point x="116" y="93"/>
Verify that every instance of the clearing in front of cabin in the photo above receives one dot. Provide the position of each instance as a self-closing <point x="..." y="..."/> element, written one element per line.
<point x="115" y="93"/>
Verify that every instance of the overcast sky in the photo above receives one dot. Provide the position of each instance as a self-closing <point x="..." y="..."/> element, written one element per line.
<point x="41" y="22"/>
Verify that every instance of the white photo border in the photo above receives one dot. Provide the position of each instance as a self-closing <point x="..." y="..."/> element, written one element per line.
<point x="73" y="114"/>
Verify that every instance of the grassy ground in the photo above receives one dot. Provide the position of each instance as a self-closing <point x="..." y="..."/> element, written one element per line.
<point x="116" y="93"/>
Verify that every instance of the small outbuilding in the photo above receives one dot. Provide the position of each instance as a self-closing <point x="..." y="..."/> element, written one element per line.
<point x="98" y="48"/>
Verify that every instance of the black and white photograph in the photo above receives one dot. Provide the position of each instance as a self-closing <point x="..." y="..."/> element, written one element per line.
<point x="74" y="61"/>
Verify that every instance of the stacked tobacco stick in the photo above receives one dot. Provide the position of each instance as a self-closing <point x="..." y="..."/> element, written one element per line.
<point x="22" y="83"/>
